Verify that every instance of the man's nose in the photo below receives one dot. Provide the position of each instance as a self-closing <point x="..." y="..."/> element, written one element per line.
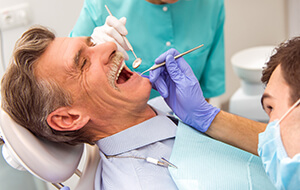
<point x="103" y="51"/>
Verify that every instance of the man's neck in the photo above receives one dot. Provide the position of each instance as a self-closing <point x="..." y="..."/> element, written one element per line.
<point x="107" y="127"/>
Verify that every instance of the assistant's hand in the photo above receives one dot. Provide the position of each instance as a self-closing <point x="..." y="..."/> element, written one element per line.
<point x="179" y="86"/>
<point x="112" y="31"/>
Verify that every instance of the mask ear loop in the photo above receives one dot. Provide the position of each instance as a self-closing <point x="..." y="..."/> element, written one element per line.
<point x="293" y="106"/>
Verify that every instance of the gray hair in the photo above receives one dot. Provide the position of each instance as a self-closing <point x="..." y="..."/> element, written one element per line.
<point x="29" y="101"/>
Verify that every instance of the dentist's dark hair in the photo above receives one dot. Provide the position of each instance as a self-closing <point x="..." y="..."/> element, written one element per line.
<point x="29" y="100"/>
<point x="287" y="54"/>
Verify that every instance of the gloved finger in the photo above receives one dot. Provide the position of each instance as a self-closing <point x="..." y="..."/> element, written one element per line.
<point x="117" y="36"/>
<point x="120" y="48"/>
<point x="174" y="71"/>
<point x="161" y="86"/>
<point x="184" y="67"/>
<point x="163" y="56"/>
<point x="98" y="34"/>
<point x="153" y="86"/>
<point x="123" y="20"/>
<point x="155" y="74"/>
<point x="118" y="25"/>
<point x="179" y="69"/>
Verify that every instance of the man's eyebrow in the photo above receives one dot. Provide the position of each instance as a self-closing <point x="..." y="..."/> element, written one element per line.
<point x="76" y="58"/>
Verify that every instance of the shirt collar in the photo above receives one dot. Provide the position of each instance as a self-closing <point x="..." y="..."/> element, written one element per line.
<point x="155" y="129"/>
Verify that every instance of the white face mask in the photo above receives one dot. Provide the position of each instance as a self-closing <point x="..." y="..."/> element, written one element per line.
<point x="283" y="171"/>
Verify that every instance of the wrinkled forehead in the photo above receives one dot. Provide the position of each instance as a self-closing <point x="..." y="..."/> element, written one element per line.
<point x="59" y="56"/>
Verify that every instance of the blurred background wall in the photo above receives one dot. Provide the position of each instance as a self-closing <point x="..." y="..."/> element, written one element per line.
<point x="248" y="24"/>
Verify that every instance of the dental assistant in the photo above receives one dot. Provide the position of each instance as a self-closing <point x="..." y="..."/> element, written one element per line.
<point x="278" y="143"/>
<point x="154" y="26"/>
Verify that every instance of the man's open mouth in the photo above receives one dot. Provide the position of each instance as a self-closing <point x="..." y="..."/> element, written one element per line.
<point x="123" y="74"/>
<point x="119" y="73"/>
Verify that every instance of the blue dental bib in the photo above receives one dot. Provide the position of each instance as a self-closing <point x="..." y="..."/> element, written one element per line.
<point x="205" y="163"/>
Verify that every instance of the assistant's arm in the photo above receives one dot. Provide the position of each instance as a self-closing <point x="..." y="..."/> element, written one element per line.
<point x="178" y="85"/>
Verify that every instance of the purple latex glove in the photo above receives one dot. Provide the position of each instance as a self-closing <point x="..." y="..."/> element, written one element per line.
<point x="181" y="90"/>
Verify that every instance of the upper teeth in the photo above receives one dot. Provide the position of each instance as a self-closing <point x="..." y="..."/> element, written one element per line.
<point x="121" y="68"/>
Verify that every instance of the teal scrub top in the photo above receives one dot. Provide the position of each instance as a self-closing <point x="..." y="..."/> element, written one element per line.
<point x="153" y="29"/>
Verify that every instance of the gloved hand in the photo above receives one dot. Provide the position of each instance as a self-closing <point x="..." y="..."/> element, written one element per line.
<point x="112" y="31"/>
<point x="179" y="86"/>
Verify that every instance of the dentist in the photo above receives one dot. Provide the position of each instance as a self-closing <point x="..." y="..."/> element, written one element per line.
<point x="278" y="143"/>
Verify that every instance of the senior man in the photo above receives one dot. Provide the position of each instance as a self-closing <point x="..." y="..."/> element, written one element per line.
<point x="69" y="90"/>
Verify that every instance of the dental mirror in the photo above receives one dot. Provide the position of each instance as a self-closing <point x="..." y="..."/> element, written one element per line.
<point x="136" y="63"/>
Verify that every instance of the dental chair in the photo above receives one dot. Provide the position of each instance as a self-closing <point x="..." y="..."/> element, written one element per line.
<point x="51" y="162"/>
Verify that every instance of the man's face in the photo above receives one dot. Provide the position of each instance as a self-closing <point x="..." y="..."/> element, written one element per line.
<point x="90" y="74"/>
<point x="276" y="102"/>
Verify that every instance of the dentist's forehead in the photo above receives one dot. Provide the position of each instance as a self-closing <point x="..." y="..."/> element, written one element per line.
<point x="277" y="86"/>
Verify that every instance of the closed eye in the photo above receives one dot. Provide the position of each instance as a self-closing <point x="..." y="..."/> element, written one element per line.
<point x="83" y="64"/>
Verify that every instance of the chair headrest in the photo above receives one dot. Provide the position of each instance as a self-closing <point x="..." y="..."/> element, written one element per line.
<point x="52" y="162"/>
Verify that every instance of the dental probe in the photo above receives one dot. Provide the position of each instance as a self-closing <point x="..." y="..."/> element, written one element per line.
<point x="137" y="60"/>
<point x="177" y="56"/>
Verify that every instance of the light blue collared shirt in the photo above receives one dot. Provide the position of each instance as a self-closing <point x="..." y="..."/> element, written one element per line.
<point x="153" y="138"/>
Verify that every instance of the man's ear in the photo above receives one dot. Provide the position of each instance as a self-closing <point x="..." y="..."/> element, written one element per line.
<point x="67" y="119"/>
